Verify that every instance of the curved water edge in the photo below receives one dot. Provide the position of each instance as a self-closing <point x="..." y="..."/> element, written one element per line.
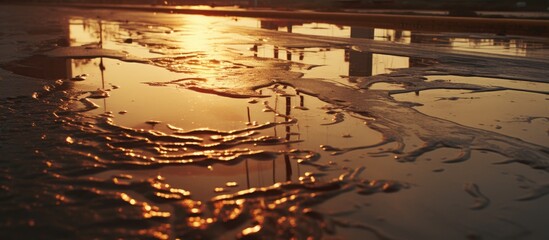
<point x="94" y="144"/>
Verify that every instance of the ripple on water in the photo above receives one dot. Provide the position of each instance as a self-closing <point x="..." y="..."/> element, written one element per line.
<point x="95" y="142"/>
<point x="207" y="166"/>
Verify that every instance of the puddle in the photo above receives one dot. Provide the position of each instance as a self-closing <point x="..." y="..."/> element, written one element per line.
<point x="342" y="31"/>
<point x="335" y="64"/>
<point x="512" y="113"/>
<point x="132" y="103"/>
<point x="218" y="133"/>
<point x="188" y="109"/>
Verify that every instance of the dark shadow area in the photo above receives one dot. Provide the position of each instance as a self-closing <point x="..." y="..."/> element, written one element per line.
<point x="41" y="67"/>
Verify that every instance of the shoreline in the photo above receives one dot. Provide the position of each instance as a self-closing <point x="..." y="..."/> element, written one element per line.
<point x="499" y="26"/>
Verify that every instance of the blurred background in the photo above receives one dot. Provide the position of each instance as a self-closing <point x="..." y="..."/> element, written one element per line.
<point x="460" y="7"/>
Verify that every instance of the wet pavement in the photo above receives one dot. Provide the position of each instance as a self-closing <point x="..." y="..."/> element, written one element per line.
<point x="121" y="124"/>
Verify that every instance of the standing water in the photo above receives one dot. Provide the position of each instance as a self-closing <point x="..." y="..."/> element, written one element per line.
<point x="165" y="126"/>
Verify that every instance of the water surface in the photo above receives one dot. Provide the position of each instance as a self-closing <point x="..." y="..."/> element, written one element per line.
<point x="168" y="126"/>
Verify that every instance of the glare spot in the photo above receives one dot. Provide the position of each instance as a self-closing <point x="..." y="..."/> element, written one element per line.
<point x="251" y="230"/>
<point x="231" y="184"/>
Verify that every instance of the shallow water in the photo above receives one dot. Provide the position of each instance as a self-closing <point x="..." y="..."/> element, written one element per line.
<point x="513" y="112"/>
<point x="170" y="126"/>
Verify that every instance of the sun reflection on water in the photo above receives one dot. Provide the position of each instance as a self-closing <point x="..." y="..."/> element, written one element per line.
<point x="163" y="137"/>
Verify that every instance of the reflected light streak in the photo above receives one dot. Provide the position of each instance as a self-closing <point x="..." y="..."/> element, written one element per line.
<point x="200" y="34"/>
<point x="251" y="230"/>
<point x="198" y="7"/>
